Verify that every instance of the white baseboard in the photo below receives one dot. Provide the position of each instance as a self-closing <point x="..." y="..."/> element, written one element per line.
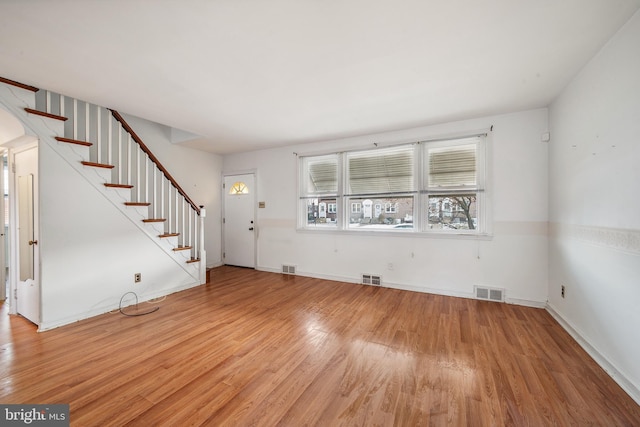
<point x="215" y="264"/>
<point x="526" y="302"/>
<point x="444" y="292"/>
<point x="620" y="378"/>
<point x="46" y="326"/>
<point x="435" y="291"/>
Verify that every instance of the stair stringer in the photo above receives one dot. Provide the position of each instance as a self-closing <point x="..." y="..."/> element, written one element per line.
<point x="16" y="99"/>
<point x="90" y="253"/>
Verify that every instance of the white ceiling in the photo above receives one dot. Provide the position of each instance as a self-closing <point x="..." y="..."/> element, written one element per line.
<point x="249" y="74"/>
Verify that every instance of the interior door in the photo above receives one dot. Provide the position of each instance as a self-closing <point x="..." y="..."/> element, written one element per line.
<point x="239" y="220"/>
<point x="28" y="287"/>
<point x="3" y="227"/>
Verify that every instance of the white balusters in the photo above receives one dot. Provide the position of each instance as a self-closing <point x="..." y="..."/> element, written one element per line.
<point x="138" y="179"/>
<point x="133" y="166"/>
<point x="87" y="117"/>
<point x="129" y="163"/>
<point x="75" y="117"/>
<point x="98" y="134"/>
<point x="118" y="162"/>
<point x="161" y="201"/>
<point x="110" y="140"/>
<point x="48" y="102"/>
<point x="201" y="252"/>
<point x="189" y="228"/>
<point x="154" y="191"/>
<point x="170" y="225"/>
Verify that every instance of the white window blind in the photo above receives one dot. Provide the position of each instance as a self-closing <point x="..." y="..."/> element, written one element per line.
<point x="321" y="175"/>
<point x="453" y="166"/>
<point x="382" y="171"/>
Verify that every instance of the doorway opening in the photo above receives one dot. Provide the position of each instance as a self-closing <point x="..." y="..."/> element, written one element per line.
<point x="4" y="233"/>
<point x="19" y="254"/>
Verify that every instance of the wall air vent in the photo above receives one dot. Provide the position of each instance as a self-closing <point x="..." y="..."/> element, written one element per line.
<point x="371" y="279"/>
<point x="489" y="294"/>
<point x="288" y="269"/>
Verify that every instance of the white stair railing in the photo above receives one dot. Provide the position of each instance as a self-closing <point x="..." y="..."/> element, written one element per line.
<point x="115" y="143"/>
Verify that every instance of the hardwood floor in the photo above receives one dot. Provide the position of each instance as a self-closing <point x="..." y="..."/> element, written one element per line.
<point x="255" y="348"/>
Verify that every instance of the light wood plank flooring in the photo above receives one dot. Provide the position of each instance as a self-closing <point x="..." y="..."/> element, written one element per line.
<point x="255" y="348"/>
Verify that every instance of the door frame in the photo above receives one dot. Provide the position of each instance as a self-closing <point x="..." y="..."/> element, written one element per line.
<point x="14" y="248"/>
<point x="223" y="190"/>
<point x="4" y="249"/>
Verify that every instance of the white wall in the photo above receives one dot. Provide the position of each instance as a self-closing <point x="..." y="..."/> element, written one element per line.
<point x="515" y="258"/>
<point x="197" y="172"/>
<point x="90" y="251"/>
<point x="595" y="206"/>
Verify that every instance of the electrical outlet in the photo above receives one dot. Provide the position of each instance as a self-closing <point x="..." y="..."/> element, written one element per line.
<point x="137" y="278"/>
<point x="562" y="291"/>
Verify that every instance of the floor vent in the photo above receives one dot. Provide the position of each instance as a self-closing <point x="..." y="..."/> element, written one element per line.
<point x="288" y="269"/>
<point x="370" y="279"/>
<point x="489" y="294"/>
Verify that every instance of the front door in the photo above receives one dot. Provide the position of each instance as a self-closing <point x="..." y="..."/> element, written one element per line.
<point x="28" y="288"/>
<point x="239" y="220"/>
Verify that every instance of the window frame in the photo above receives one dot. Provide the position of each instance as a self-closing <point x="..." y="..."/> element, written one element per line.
<point x="447" y="192"/>
<point x="417" y="221"/>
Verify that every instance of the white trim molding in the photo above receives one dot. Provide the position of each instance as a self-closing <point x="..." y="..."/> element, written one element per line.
<point x="619" y="377"/>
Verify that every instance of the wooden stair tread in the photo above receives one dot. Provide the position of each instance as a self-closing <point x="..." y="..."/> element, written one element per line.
<point x="18" y="84"/>
<point x="104" y="166"/>
<point x="106" y="184"/>
<point x="73" y="141"/>
<point x="43" y="114"/>
<point x="97" y="165"/>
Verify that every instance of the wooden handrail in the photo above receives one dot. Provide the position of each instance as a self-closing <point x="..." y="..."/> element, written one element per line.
<point x="153" y="158"/>
<point x="18" y="84"/>
<point x="126" y="127"/>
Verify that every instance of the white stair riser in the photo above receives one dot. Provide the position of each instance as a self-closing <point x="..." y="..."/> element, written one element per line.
<point x="47" y="129"/>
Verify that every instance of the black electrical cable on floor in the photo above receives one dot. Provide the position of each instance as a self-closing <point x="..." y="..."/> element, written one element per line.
<point x="153" y="310"/>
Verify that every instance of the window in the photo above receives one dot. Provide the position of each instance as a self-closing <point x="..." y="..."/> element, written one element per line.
<point x="430" y="186"/>
<point x="380" y="178"/>
<point x="238" y="188"/>
<point x="319" y="190"/>
<point x="453" y="184"/>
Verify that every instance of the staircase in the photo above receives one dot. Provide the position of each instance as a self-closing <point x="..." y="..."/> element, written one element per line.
<point x="103" y="148"/>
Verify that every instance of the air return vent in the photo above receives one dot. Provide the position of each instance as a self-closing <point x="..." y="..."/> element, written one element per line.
<point x="489" y="294"/>
<point x="288" y="269"/>
<point x="370" y="279"/>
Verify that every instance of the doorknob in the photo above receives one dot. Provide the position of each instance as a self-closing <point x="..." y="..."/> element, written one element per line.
<point x="250" y="228"/>
<point x="33" y="242"/>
